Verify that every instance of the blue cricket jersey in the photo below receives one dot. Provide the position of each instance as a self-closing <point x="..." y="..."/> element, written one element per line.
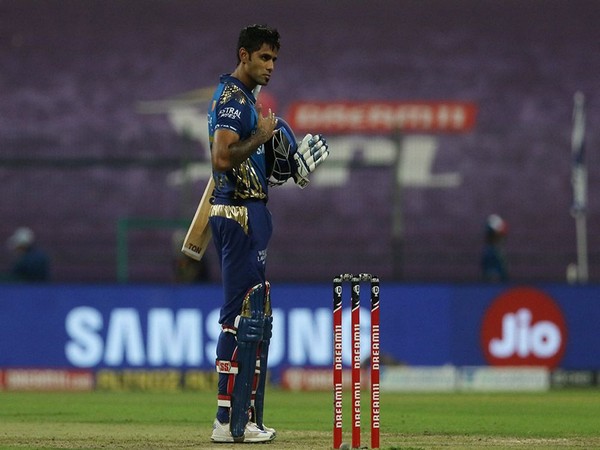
<point x="233" y="108"/>
<point x="239" y="219"/>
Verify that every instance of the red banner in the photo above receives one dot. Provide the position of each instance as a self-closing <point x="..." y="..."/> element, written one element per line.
<point x="46" y="380"/>
<point x="348" y="117"/>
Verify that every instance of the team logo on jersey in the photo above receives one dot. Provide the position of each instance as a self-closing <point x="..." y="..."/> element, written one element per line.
<point x="524" y="327"/>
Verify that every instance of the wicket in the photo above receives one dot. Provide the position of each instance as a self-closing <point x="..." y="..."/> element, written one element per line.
<point x="355" y="283"/>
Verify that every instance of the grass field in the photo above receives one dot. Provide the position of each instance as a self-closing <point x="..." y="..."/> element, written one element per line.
<point x="182" y="420"/>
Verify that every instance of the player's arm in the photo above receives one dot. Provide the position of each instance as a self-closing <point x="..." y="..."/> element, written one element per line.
<point x="228" y="151"/>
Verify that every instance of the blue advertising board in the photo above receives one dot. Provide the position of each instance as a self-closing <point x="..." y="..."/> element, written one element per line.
<point x="165" y="326"/>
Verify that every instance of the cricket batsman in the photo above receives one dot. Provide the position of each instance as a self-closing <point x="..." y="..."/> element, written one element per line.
<point x="251" y="149"/>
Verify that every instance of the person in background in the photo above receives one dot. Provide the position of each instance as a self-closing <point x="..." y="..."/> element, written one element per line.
<point x="32" y="264"/>
<point x="493" y="261"/>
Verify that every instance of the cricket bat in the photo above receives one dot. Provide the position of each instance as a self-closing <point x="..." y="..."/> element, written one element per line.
<point x="199" y="235"/>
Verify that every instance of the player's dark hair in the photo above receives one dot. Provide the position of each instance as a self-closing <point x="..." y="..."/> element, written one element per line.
<point x="254" y="36"/>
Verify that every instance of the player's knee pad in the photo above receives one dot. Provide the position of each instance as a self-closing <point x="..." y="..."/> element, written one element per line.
<point x="253" y="304"/>
<point x="249" y="329"/>
<point x="250" y="322"/>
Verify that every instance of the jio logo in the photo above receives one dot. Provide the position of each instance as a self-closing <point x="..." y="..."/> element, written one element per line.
<point x="523" y="327"/>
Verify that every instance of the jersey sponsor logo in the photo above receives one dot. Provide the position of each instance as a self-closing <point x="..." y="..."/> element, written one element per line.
<point x="230" y="113"/>
<point x="262" y="256"/>
<point x="524" y="327"/>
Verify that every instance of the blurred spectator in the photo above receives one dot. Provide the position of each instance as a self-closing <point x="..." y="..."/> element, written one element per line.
<point x="493" y="261"/>
<point x="32" y="263"/>
<point x="186" y="269"/>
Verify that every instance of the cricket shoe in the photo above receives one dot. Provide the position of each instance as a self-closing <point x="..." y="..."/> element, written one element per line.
<point x="252" y="434"/>
<point x="268" y="429"/>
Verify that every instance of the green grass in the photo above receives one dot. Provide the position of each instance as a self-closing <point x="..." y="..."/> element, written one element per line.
<point x="181" y="420"/>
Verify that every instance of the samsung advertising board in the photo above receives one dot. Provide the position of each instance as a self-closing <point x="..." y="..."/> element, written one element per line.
<point x="152" y="327"/>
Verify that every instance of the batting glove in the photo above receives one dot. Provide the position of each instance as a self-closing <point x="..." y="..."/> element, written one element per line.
<point x="312" y="151"/>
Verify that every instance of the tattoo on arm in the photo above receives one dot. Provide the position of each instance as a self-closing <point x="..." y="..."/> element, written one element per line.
<point x="240" y="151"/>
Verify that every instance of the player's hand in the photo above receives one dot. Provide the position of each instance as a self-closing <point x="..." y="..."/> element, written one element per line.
<point x="312" y="151"/>
<point x="265" y="127"/>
